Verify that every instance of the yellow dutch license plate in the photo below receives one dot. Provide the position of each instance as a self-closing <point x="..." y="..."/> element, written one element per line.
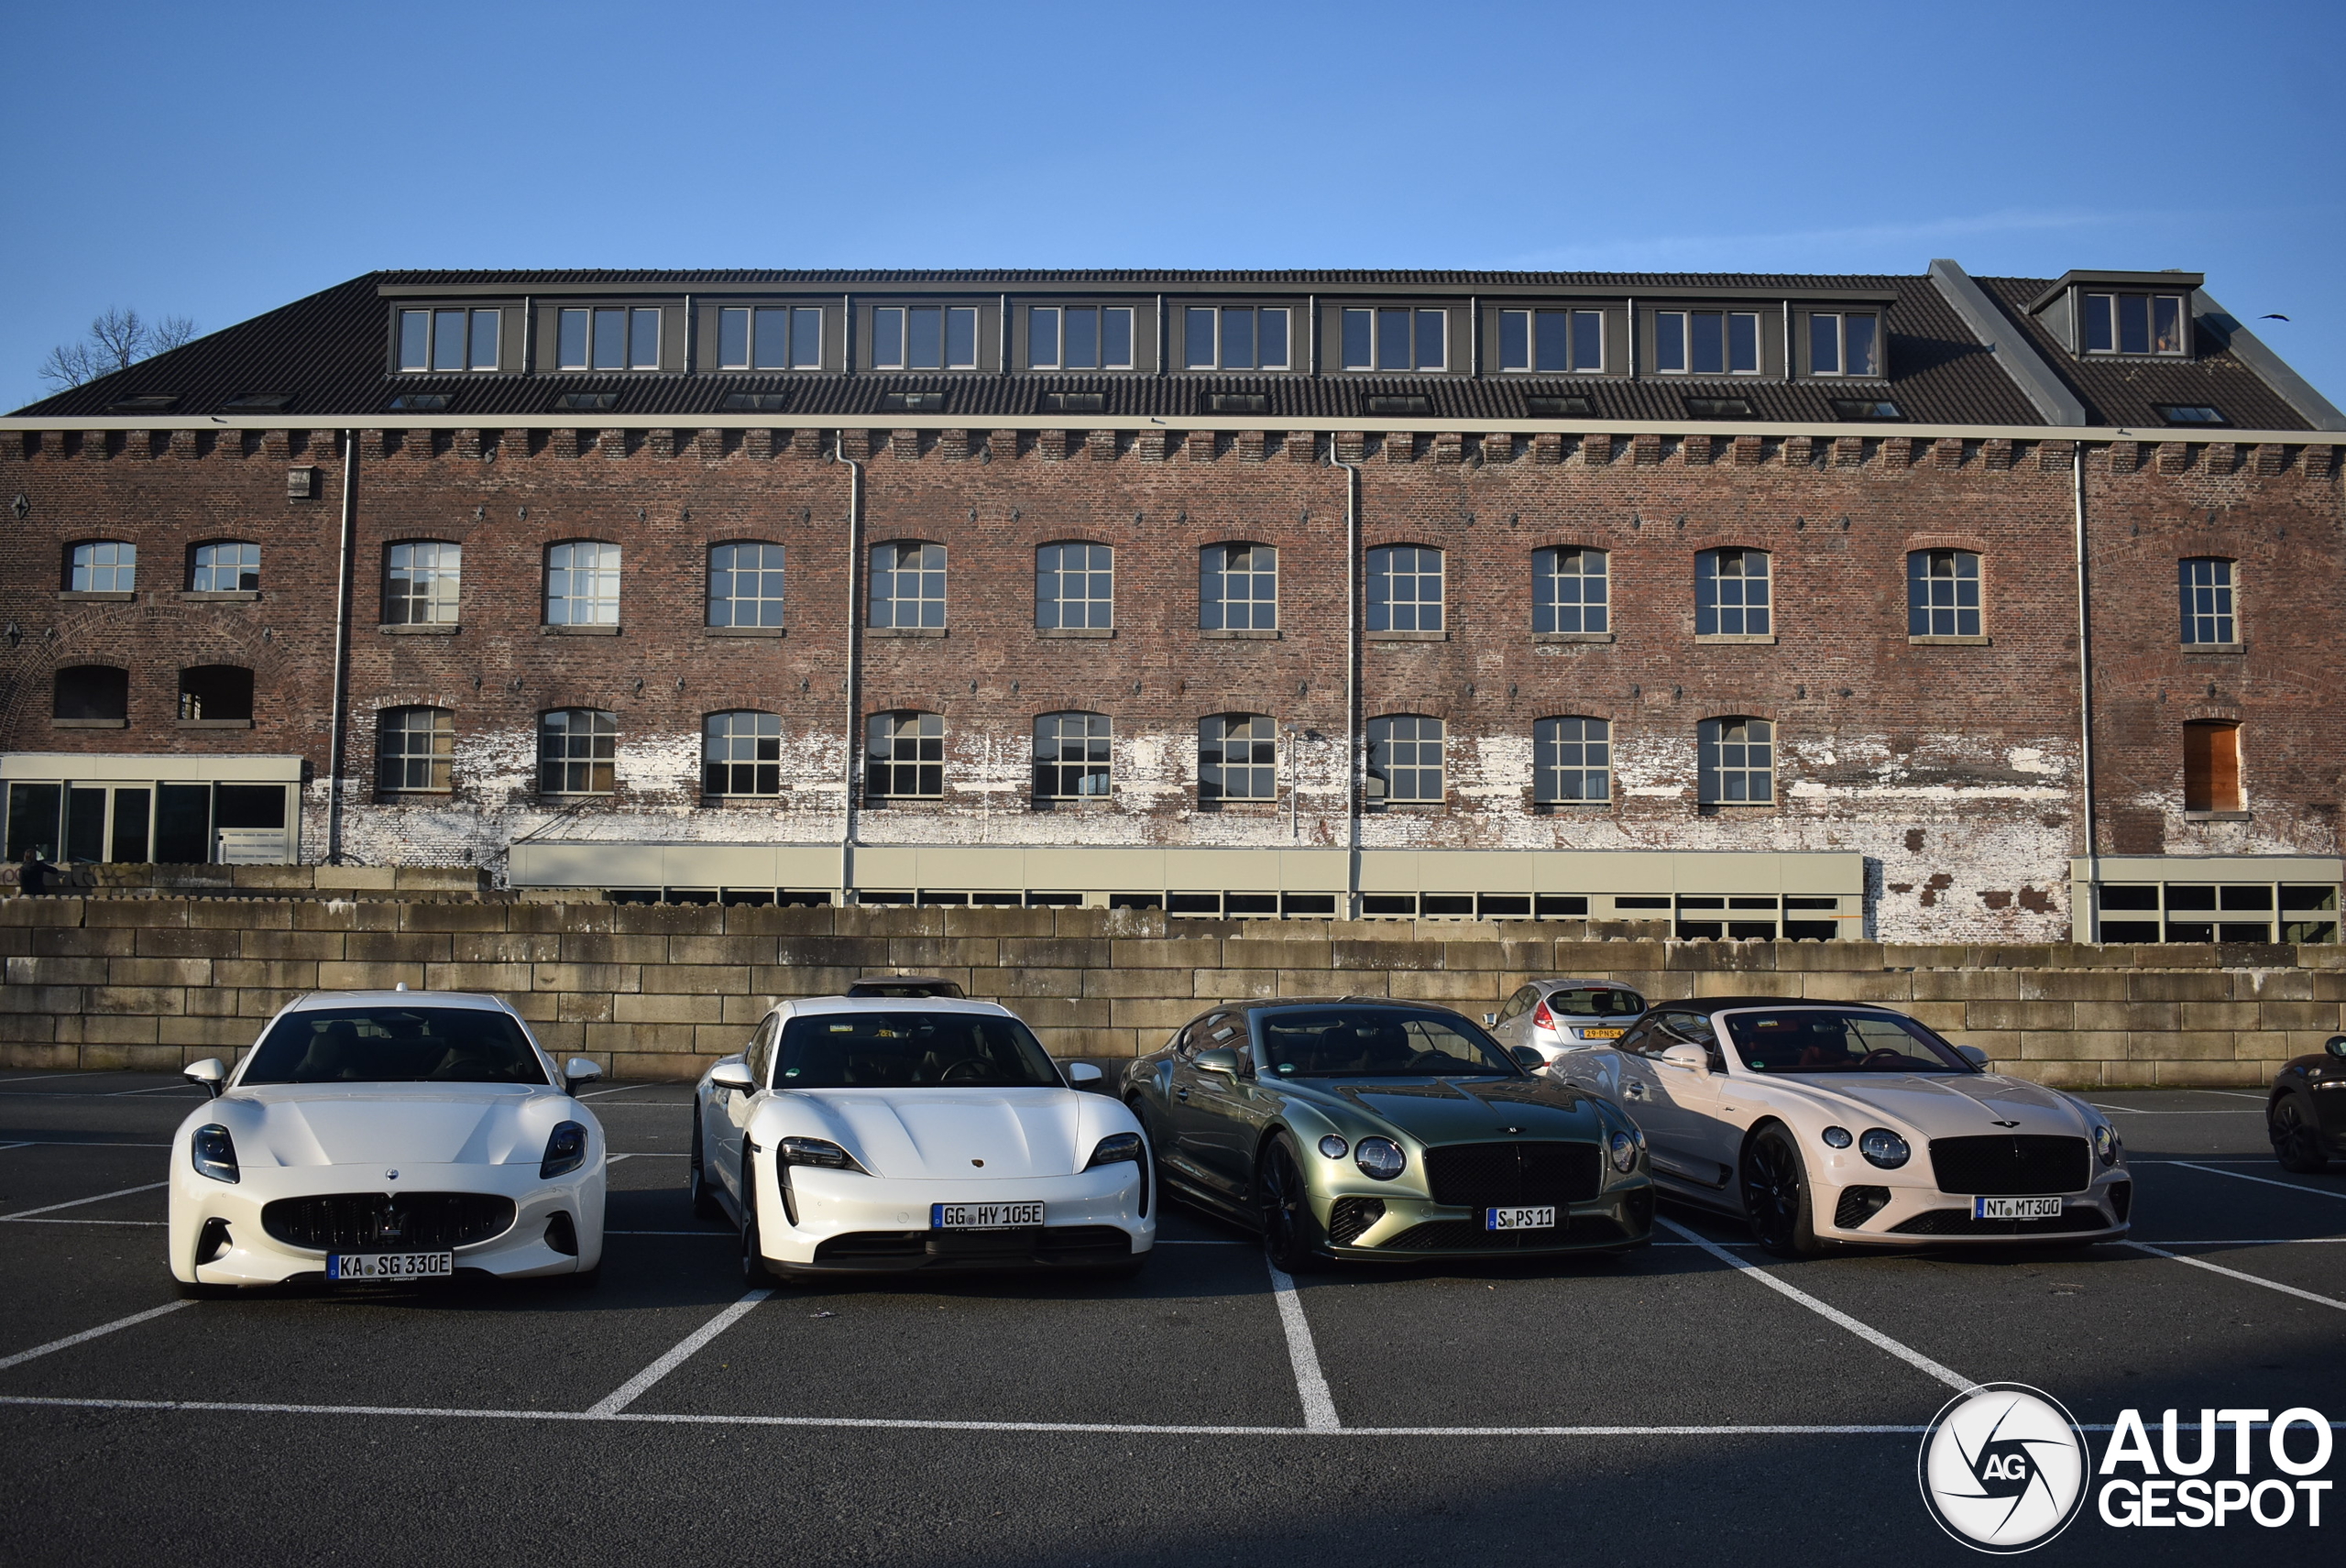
<point x="1600" y="1033"/>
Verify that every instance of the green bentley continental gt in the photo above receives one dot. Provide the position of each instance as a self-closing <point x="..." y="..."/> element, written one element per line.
<point x="1360" y="1128"/>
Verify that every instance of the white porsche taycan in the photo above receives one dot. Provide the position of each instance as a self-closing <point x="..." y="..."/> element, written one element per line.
<point x="384" y="1136"/>
<point x="867" y="1135"/>
<point x="1823" y="1122"/>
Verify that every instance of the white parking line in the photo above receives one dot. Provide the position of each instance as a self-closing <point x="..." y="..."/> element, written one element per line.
<point x="6" y="1148"/>
<point x="87" y="1334"/>
<point x="46" y="1078"/>
<point x="154" y="1088"/>
<point x="1913" y="1357"/>
<point x="2241" y="1176"/>
<point x="20" y="1221"/>
<point x="626" y="1393"/>
<point x="2236" y="1274"/>
<point x="2137" y="1111"/>
<point x="1310" y="1388"/>
<point x="77" y="1202"/>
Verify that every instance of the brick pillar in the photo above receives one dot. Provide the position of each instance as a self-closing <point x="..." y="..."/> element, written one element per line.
<point x="1104" y="445"/>
<point x="2125" y="456"/>
<point x="1302" y="445"/>
<point x="1997" y="454"/>
<point x="372" y="443"/>
<point x="467" y="444"/>
<point x="661" y="442"/>
<point x="1449" y="446"/>
<point x="1697" y="449"/>
<point x="2320" y="462"/>
<point x="2174" y="457"/>
<point x="758" y="444"/>
<point x="1352" y="447"/>
<point x="1400" y="446"/>
<point x="953" y="445"/>
<point x="2269" y="459"/>
<point x="1898" y="452"/>
<point x="1051" y="446"/>
<point x="1498" y="447"/>
<point x="807" y="444"/>
<point x="184" y="444"/>
<point x="1946" y="452"/>
<point x="1155" y="445"/>
<point x="1548" y="447"/>
<point x="1849" y="451"/>
<point x="2223" y="456"/>
<point x="1751" y="450"/>
<point x="1799" y="451"/>
<point x="854" y="443"/>
<point x="2056" y="456"/>
<point x="1596" y="451"/>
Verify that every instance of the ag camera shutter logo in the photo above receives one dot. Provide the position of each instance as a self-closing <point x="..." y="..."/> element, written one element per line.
<point x="2003" y="1468"/>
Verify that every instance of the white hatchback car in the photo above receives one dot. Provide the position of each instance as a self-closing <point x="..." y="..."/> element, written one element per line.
<point x="872" y="1134"/>
<point x="387" y="1136"/>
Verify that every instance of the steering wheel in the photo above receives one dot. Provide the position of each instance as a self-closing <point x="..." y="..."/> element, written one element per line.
<point x="1867" y="1061"/>
<point x="970" y="1070"/>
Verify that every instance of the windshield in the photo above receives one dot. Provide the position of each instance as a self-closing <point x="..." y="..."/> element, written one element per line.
<point x="911" y="1050"/>
<point x="1815" y="1040"/>
<point x="395" y="1045"/>
<point x="1378" y="1042"/>
<point x="1594" y="1002"/>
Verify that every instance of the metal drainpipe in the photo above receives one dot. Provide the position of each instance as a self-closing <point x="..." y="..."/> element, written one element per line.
<point x="1352" y="681"/>
<point x="337" y="735"/>
<point x="2085" y="696"/>
<point x="854" y="657"/>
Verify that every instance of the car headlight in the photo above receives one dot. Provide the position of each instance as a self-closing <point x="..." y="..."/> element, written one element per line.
<point x="818" y="1152"/>
<point x="565" y="1151"/>
<point x="213" y="1153"/>
<point x="1625" y="1153"/>
<point x="1837" y="1138"/>
<point x="1115" y="1148"/>
<point x="1380" y="1160"/>
<point x="2106" y="1146"/>
<point x="1885" y="1148"/>
<point x="1333" y="1146"/>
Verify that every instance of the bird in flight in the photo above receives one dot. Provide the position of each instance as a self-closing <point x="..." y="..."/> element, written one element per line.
<point x="2273" y="316"/>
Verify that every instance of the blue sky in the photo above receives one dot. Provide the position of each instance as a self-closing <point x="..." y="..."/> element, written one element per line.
<point x="216" y="160"/>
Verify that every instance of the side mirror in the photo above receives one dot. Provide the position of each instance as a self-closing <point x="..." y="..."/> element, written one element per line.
<point x="208" y="1075"/>
<point x="1690" y="1059"/>
<point x="1081" y="1072"/>
<point x="1489" y="1019"/>
<point x="1528" y="1058"/>
<point x="1225" y="1062"/>
<point x="578" y="1071"/>
<point x="1978" y="1058"/>
<point x="2335" y="1045"/>
<point x="733" y="1073"/>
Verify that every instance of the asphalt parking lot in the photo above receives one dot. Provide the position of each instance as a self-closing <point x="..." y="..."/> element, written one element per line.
<point x="1698" y="1395"/>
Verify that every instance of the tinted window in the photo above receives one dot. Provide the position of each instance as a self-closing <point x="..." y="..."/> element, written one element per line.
<point x="395" y="1045"/>
<point x="1814" y="1040"/>
<point x="912" y="1050"/>
<point x="1371" y="1042"/>
<point x="1594" y="1002"/>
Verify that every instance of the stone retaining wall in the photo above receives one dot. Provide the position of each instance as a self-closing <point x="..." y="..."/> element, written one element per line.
<point x="658" y="992"/>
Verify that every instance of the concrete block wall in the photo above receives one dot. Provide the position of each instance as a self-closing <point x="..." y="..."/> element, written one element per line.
<point x="659" y="992"/>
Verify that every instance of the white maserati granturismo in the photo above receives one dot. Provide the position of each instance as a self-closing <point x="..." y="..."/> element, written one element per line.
<point x="868" y="1134"/>
<point x="1823" y="1122"/>
<point x="388" y="1136"/>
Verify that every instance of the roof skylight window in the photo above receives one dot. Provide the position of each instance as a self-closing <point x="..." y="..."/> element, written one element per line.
<point x="912" y="402"/>
<point x="1238" y="403"/>
<point x="756" y="402"/>
<point x="1559" y="408"/>
<point x="1074" y="403"/>
<point x="419" y="402"/>
<point x="587" y="403"/>
<point x="1866" y="409"/>
<point x="257" y="403"/>
<point x="2190" y="413"/>
<point x="1718" y="408"/>
<point x="1407" y="404"/>
<point x="144" y="403"/>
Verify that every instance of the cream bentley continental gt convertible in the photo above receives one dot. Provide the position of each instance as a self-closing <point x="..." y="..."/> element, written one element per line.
<point x="388" y="1136"/>
<point x="879" y="1133"/>
<point x="1824" y="1123"/>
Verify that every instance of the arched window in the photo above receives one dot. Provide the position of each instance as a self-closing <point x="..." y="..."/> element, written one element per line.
<point x="1075" y="585"/>
<point x="2211" y="588"/>
<point x="2211" y="765"/>
<point x="1404" y="757"/>
<point x="1238" y="588"/>
<point x="415" y="751"/>
<point x="1570" y="591"/>
<point x="1572" y="759"/>
<point x="420" y="580"/>
<point x="1731" y="594"/>
<point x="1405" y="588"/>
<point x="741" y="754"/>
<point x="1237" y="757"/>
<point x="92" y="694"/>
<point x="103" y="567"/>
<point x="744" y="584"/>
<point x="908" y="583"/>
<point x="905" y="756"/>
<point x="577" y="751"/>
<point x="215" y="694"/>
<point x="1941" y="593"/>
<point x="1737" y="764"/>
<point x="583" y="584"/>
<point x="226" y="566"/>
<point x="1071" y="758"/>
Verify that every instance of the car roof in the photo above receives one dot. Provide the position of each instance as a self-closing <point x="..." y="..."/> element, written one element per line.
<point x="1722" y="1003"/>
<point x="808" y="1006"/>
<point x="1559" y="982"/>
<point x="1261" y="1004"/>
<point x="318" y="999"/>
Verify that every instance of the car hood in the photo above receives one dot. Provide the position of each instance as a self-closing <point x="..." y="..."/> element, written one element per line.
<point x="934" y="1135"/>
<point x="1942" y="1107"/>
<point x="1462" y="1111"/>
<point x="342" y="1123"/>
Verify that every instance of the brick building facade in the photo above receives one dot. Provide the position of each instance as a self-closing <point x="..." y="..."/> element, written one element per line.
<point x="1833" y="526"/>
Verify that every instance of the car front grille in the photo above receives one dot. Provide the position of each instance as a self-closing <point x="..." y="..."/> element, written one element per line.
<point x="1479" y="1176"/>
<point x="1959" y="1222"/>
<point x="1349" y="1219"/>
<point x="1468" y="1236"/>
<point x="2015" y="1167"/>
<point x="387" y="1222"/>
<point x="1058" y="1244"/>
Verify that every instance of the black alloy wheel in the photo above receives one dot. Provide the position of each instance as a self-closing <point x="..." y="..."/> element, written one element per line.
<point x="753" y="1258"/>
<point x="1776" y="1195"/>
<point x="696" y="1182"/>
<point x="1291" y="1235"/>
<point x="2297" y="1138"/>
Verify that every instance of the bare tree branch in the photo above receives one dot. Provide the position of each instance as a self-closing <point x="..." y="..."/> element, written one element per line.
<point x="117" y="340"/>
<point x="70" y="364"/>
<point x="171" y="332"/>
<point x="120" y="338"/>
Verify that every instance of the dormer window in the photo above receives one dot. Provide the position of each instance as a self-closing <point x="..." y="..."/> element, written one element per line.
<point x="1844" y="344"/>
<point x="2135" y="323"/>
<point x="448" y="340"/>
<point x="609" y="338"/>
<point x="1706" y="343"/>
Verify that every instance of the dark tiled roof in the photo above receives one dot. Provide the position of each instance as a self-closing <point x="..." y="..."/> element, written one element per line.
<point x="2123" y="392"/>
<point x="328" y="351"/>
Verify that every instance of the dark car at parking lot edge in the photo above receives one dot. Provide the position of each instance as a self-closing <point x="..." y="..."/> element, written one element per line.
<point x="2306" y="1114"/>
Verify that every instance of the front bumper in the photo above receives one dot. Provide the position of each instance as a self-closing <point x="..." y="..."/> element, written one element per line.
<point x="1863" y="1205"/>
<point x="253" y="1256"/>
<point x="844" y="1221"/>
<point x="1413" y="1228"/>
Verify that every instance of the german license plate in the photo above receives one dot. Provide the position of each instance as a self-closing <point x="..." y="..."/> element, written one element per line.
<point x="352" y="1267"/>
<point x="1519" y="1219"/>
<point x="1600" y="1033"/>
<point x="2017" y="1208"/>
<point x="984" y="1216"/>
